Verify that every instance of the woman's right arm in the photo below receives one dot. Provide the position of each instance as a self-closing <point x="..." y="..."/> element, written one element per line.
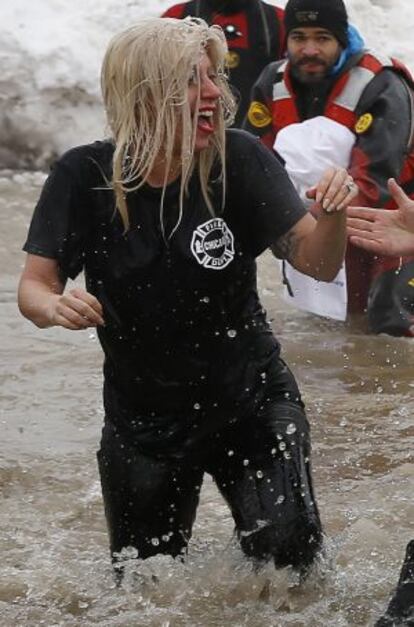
<point x="42" y="299"/>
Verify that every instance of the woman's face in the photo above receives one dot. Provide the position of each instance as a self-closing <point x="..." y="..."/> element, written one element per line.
<point x="203" y="82"/>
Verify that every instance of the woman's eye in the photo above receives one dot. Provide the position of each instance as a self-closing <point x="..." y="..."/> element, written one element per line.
<point x="193" y="80"/>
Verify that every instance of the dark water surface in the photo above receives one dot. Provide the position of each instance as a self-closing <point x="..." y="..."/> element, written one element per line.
<point x="53" y="544"/>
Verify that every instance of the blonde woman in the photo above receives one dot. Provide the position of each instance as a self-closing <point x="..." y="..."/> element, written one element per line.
<point x="167" y="218"/>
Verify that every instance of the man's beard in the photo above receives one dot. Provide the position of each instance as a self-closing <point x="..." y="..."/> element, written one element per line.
<point x="229" y="6"/>
<point x="309" y="78"/>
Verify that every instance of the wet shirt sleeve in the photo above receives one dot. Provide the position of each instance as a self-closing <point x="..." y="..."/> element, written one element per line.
<point x="262" y="199"/>
<point x="58" y="225"/>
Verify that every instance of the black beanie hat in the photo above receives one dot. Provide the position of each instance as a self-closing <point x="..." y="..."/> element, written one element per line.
<point x="329" y="14"/>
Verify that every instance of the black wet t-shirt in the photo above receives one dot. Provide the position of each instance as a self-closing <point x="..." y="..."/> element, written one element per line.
<point x="186" y="341"/>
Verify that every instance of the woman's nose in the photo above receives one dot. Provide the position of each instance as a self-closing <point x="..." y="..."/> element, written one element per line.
<point x="209" y="89"/>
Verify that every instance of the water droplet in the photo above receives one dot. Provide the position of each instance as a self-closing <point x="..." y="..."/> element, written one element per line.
<point x="287" y="455"/>
<point x="230" y="453"/>
<point x="280" y="499"/>
<point x="232" y="333"/>
<point x="291" y="428"/>
<point x="246" y="462"/>
<point x="259" y="474"/>
<point x="282" y="446"/>
<point x="83" y="605"/>
<point x="197" y="406"/>
<point x="273" y="451"/>
<point x="155" y="541"/>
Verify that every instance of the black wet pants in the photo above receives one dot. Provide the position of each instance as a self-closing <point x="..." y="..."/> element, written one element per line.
<point x="261" y="467"/>
<point x="390" y="305"/>
<point x="400" y="610"/>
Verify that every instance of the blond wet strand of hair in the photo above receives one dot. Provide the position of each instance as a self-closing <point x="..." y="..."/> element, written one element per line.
<point x="145" y="76"/>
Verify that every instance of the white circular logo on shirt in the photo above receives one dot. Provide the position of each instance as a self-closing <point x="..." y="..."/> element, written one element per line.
<point x="213" y="244"/>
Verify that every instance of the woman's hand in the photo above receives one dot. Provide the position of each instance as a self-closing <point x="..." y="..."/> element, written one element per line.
<point x="75" y="309"/>
<point x="317" y="248"/>
<point x="384" y="231"/>
<point x="334" y="192"/>
<point x="42" y="298"/>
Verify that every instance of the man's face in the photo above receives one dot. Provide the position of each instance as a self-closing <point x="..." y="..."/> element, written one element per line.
<point x="312" y="53"/>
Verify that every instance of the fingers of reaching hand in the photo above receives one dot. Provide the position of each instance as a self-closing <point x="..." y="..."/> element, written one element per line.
<point x="360" y="225"/>
<point x="362" y="229"/>
<point x="371" y="219"/>
<point x="371" y="245"/>
<point x="362" y="214"/>
<point x="397" y="192"/>
<point x="336" y="190"/>
<point x="77" y="309"/>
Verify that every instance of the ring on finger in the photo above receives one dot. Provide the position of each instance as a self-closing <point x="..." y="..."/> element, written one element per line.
<point x="350" y="185"/>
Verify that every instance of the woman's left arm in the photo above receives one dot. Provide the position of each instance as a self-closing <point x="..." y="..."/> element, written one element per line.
<point x="317" y="247"/>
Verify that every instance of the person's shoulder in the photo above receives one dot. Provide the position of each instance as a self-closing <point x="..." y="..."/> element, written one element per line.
<point x="273" y="71"/>
<point x="238" y="139"/>
<point x="80" y="159"/>
<point x="388" y="73"/>
<point x="242" y="145"/>
<point x="380" y="63"/>
<point x="99" y="150"/>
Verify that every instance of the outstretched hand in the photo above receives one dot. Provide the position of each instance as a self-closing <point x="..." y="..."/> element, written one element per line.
<point x="334" y="192"/>
<point x="75" y="309"/>
<point x="384" y="231"/>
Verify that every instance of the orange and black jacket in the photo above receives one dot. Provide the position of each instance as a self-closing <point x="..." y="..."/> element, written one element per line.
<point x="255" y="37"/>
<point x="372" y="96"/>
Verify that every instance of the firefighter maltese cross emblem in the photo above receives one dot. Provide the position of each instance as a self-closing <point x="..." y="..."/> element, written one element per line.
<point x="212" y="244"/>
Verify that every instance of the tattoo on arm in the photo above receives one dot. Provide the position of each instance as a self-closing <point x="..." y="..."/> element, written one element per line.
<point x="286" y="246"/>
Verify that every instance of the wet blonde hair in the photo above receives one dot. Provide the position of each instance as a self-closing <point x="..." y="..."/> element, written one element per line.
<point x="145" y="76"/>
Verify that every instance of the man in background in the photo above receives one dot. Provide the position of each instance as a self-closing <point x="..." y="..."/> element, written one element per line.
<point x="255" y="37"/>
<point x="329" y="74"/>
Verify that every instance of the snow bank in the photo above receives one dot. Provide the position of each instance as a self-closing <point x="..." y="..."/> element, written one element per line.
<point x="51" y="51"/>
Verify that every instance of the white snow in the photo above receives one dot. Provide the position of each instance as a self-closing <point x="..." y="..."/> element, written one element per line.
<point x="50" y="56"/>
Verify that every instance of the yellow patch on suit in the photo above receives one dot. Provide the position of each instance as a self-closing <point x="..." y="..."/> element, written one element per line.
<point x="411" y="282"/>
<point x="259" y="115"/>
<point x="232" y="59"/>
<point x="364" y="123"/>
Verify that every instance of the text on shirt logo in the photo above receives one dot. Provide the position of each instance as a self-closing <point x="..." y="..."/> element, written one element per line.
<point x="212" y="244"/>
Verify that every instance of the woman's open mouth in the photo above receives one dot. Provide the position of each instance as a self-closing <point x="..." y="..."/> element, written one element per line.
<point x="205" y="121"/>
